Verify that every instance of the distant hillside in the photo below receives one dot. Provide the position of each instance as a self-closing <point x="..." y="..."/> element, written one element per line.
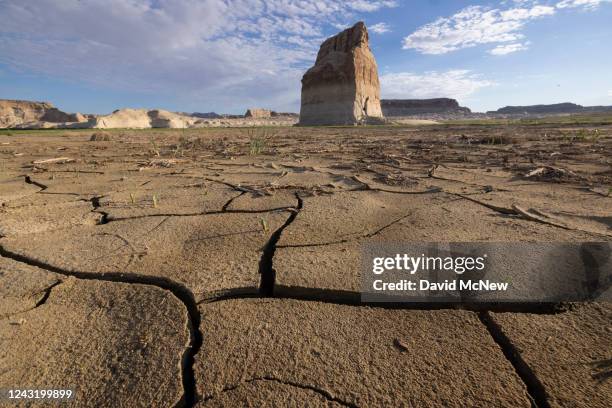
<point x="205" y="115"/>
<point x="14" y="113"/>
<point x="410" y="107"/>
<point x="557" y="108"/>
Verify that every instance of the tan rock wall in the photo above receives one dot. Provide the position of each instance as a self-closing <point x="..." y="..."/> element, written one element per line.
<point x="342" y="88"/>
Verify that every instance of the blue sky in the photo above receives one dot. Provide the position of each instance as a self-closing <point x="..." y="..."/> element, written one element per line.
<point x="226" y="55"/>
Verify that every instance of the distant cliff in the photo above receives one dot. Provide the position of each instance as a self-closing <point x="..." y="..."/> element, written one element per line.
<point x="409" y="107"/>
<point x="204" y="115"/>
<point x="557" y="108"/>
<point x="14" y="113"/>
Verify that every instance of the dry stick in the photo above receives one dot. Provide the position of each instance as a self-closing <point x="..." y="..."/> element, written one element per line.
<point x="516" y="210"/>
<point x="538" y="218"/>
<point x="54" y="160"/>
<point x="502" y="210"/>
<point x="367" y="187"/>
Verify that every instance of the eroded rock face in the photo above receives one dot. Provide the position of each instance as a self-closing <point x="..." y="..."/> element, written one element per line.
<point x="407" y="107"/>
<point x="14" y="113"/>
<point x="342" y="88"/>
<point x="142" y="119"/>
<point x="258" y="113"/>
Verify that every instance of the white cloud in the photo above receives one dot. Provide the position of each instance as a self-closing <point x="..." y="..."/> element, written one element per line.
<point x="369" y="5"/>
<point x="588" y="4"/>
<point x="379" y="28"/>
<point x="504" y="49"/>
<point x="472" y="26"/>
<point x="476" y="25"/>
<point x="232" y="52"/>
<point x="456" y="84"/>
<point x="610" y="93"/>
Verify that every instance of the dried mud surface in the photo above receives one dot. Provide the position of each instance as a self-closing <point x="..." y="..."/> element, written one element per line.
<point x="221" y="267"/>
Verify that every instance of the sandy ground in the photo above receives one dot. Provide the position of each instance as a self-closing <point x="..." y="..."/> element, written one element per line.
<point x="220" y="267"/>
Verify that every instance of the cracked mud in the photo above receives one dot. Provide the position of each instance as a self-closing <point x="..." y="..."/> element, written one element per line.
<point x="207" y="276"/>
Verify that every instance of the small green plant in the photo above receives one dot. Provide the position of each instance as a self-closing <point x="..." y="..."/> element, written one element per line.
<point x="155" y="200"/>
<point x="132" y="198"/>
<point x="582" y="135"/>
<point x="256" y="146"/>
<point x="258" y="140"/>
<point x="264" y="225"/>
<point x="154" y="148"/>
<point x="178" y="151"/>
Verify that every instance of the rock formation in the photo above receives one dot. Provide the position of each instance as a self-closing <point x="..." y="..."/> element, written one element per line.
<point x="557" y="108"/>
<point x="15" y="113"/>
<point x="409" y="107"/>
<point x="342" y="88"/>
<point x="205" y="115"/>
<point x="142" y="119"/>
<point x="42" y="115"/>
<point x="257" y="113"/>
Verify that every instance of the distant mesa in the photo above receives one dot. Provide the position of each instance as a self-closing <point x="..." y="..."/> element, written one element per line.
<point x="552" y="109"/>
<point x="342" y="88"/>
<point x="258" y="113"/>
<point x="142" y="118"/>
<point x="15" y="113"/>
<point x="410" y="107"/>
<point x="206" y="115"/>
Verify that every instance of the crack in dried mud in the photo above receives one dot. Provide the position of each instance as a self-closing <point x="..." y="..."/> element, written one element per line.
<point x="269" y="288"/>
<point x="535" y="388"/>
<point x="29" y="180"/>
<point x="230" y="201"/>
<point x="321" y="391"/>
<point x="352" y="298"/>
<point x="47" y="291"/>
<point x="266" y="268"/>
<point x="95" y="202"/>
<point x="40" y="302"/>
<point x="197" y="214"/>
<point x="347" y="240"/>
<point x="181" y="292"/>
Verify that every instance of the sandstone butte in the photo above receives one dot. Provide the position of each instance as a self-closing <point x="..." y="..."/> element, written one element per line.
<point x="14" y="113"/>
<point x="342" y="88"/>
<point x="258" y="113"/>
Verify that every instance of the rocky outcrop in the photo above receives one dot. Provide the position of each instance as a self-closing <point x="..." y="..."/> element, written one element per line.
<point x="206" y="115"/>
<point x="142" y="119"/>
<point x="342" y="88"/>
<point x="258" y="113"/>
<point x="410" y="107"/>
<point x="285" y="115"/>
<point x="552" y="109"/>
<point x="42" y="115"/>
<point x="14" y="113"/>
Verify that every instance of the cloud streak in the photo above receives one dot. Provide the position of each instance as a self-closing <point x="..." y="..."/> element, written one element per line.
<point x="472" y="26"/>
<point x="506" y="49"/>
<point x="380" y="28"/>
<point x="587" y="4"/>
<point x="477" y="25"/>
<point x="457" y="84"/>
